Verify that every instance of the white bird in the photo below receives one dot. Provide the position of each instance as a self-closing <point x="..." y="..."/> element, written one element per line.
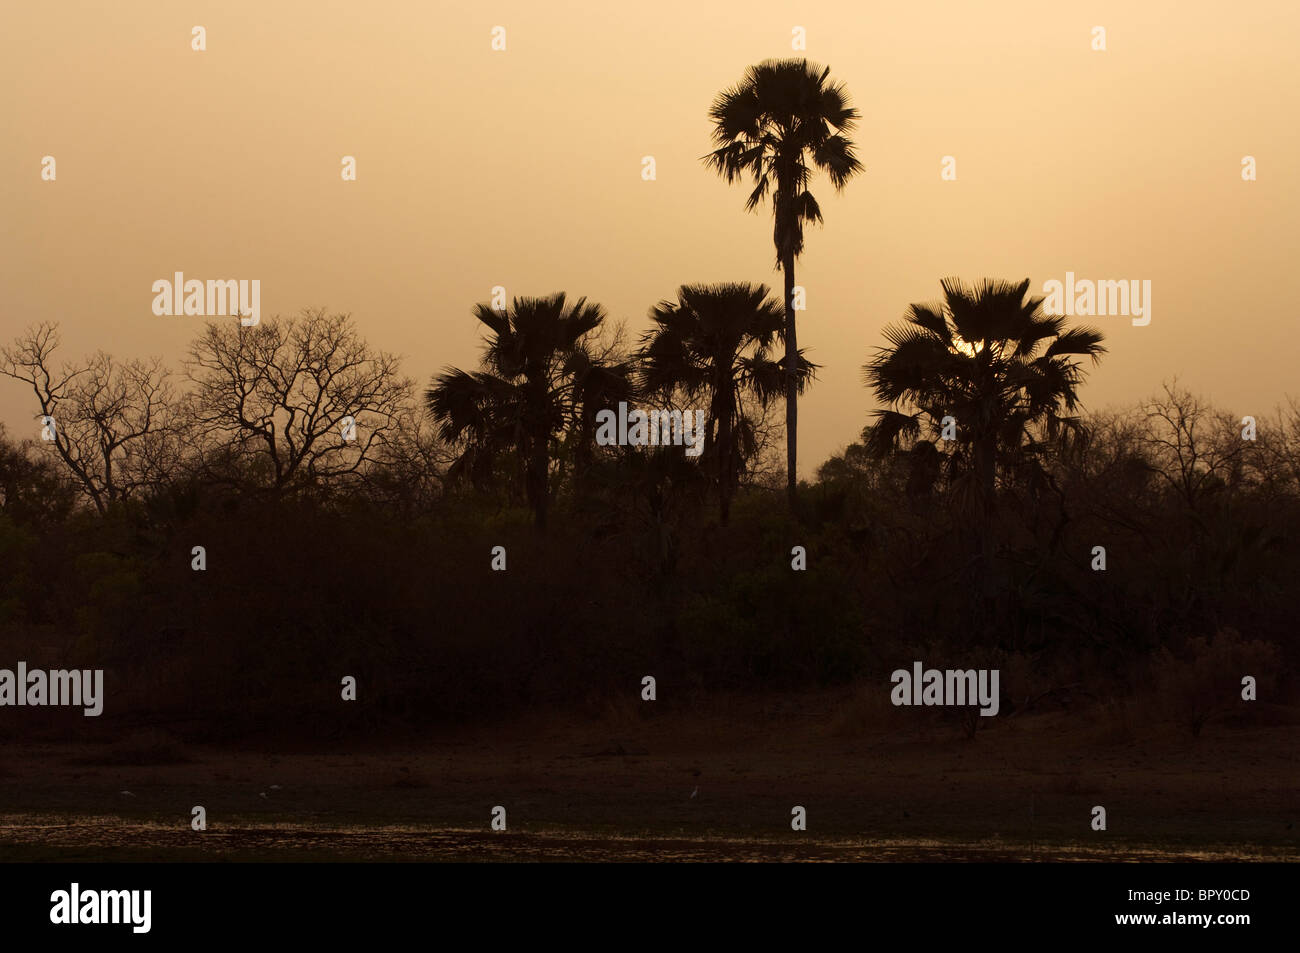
<point x="126" y="793"/>
<point x="695" y="792"/>
<point x="261" y="794"/>
<point x="275" y="787"/>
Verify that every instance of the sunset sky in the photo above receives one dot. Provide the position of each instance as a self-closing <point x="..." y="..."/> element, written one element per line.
<point x="522" y="168"/>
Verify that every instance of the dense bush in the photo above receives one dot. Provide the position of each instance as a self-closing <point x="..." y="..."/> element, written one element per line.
<point x="377" y="564"/>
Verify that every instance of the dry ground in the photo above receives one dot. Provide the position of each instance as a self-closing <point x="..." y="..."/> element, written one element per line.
<point x="877" y="783"/>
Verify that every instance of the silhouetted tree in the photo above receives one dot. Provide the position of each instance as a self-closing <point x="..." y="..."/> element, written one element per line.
<point x="780" y="124"/>
<point x="270" y="400"/>
<point x="33" y="489"/>
<point x="407" y="471"/>
<point x="109" y="417"/>
<point x="993" y="361"/>
<point x="1193" y="448"/>
<point x="714" y="344"/>
<point x="602" y="377"/>
<point x="538" y="373"/>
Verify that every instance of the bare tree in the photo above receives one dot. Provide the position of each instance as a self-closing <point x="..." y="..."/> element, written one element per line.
<point x="1192" y="447"/>
<point x="1279" y="451"/>
<point x="292" y="402"/>
<point x="102" y="416"/>
<point x="408" y="471"/>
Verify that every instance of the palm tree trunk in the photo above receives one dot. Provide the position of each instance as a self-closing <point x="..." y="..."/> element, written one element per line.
<point x="540" y="480"/>
<point x="539" y="507"/>
<point x="724" y="412"/>
<point x="536" y="479"/>
<point x="791" y="383"/>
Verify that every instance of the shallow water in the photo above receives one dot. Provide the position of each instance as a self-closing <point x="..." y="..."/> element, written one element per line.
<point x="109" y="838"/>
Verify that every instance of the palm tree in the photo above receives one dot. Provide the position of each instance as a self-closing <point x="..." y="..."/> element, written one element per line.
<point x="600" y="381"/>
<point x="524" y="398"/>
<point x="778" y="125"/>
<point x="713" y="344"/>
<point x="993" y="361"/>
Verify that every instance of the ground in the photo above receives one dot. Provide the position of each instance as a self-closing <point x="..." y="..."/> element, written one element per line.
<point x="714" y="780"/>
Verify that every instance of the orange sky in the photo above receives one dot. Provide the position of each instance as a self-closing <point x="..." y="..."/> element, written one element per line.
<point x="523" y="168"/>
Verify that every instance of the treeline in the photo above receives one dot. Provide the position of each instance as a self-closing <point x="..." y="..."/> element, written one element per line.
<point x="348" y="525"/>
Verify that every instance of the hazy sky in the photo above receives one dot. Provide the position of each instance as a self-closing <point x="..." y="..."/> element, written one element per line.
<point x="522" y="168"/>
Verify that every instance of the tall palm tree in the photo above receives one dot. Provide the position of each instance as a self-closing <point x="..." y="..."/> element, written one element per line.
<point x="783" y="121"/>
<point x="714" y="344"/>
<point x="524" y="396"/>
<point x="990" y="358"/>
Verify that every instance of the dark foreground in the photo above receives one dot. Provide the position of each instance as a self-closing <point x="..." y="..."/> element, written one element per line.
<point x="29" y="839"/>
<point x="715" y="782"/>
